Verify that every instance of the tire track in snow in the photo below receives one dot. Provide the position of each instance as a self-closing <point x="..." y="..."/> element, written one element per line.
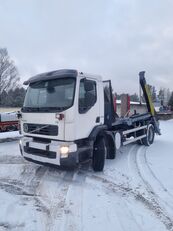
<point x="73" y="214"/>
<point x="31" y="185"/>
<point x="122" y="209"/>
<point x="12" y="160"/>
<point x="146" y="201"/>
<point x="13" y="187"/>
<point x="62" y="215"/>
<point x="25" y="196"/>
<point x="52" y="193"/>
<point x="122" y="192"/>
<point x="49" y="202"/>
<point x="147" y="196"/>
<point x="5" y="226"/>
<point x="25" y="185"/>
<point x="153" y="182"/>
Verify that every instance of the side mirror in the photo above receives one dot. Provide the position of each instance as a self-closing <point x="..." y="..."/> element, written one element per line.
<point x="19" y="115"/>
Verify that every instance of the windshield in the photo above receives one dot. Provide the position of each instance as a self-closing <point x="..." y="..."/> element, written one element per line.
<point x="50" y="95"/>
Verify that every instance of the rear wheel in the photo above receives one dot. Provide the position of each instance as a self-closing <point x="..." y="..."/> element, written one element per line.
<point x="99" y="154"/>
<point x="150" y="134"/>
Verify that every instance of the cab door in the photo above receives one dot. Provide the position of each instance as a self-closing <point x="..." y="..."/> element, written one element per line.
<point x="109" y="115"/>
<point x="88" y="107"/>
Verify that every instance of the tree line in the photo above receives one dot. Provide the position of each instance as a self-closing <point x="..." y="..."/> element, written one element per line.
<point x="164" y="97"/>
<point x="11" y="93"/>
<point x="12" y="98"/>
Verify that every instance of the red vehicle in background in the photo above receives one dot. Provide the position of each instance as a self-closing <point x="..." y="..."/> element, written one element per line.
<point x="8" y="121"/>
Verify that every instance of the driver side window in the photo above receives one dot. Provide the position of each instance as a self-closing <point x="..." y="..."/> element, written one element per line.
<point x="87" y="95"/>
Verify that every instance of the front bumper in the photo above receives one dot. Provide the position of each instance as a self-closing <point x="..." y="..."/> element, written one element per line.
<point x="48" y="152"/>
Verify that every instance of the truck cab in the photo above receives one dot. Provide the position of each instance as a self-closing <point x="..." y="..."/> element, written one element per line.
<point x="60" y="111"/>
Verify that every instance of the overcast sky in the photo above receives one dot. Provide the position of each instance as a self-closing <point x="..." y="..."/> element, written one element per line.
<point x="115" y="38"/>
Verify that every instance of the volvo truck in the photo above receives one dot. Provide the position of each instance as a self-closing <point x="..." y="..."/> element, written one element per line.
<point x="68" y="117"/>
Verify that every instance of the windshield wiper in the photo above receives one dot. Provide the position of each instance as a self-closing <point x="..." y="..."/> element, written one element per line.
<point x="47" y="109"/>
<point x="30" y="109"/>
<point x="43" y="109"/>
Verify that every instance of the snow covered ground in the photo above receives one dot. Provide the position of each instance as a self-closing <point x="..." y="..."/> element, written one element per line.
<point x="9" y="135"/>
<point x="135" y="191"/>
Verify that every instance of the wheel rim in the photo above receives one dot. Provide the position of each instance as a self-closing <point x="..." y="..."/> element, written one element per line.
<point x="150" y="134"/>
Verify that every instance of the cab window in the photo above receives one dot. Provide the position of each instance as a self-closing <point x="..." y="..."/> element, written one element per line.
<point x="87" y="95"/>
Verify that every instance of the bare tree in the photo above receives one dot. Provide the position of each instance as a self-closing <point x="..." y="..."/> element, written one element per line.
<point x="9" y="76"/>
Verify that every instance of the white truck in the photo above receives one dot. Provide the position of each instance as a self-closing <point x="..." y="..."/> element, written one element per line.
<point x="68" y="117"/>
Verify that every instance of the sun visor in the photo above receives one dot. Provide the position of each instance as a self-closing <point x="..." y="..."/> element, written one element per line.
<point x="52" y="75"/>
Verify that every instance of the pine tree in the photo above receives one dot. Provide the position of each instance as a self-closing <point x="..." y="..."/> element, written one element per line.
<point x="171" y="102"/>
<point x="134" y="97"/>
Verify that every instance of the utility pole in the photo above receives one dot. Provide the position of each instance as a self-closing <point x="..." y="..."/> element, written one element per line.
<point x="140" y="94"/>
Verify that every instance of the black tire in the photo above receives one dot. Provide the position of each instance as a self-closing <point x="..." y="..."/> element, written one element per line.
<point x="150" y="134"/>
<point x="111" y="149"/>
<point x="111" y="153"/>
<point x="99" y="154"/>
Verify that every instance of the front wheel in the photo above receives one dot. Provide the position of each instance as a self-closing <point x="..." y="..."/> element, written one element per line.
<point x="150" y="134"/>
<point x="111" y="149"/>
<point x="99" y="154"/>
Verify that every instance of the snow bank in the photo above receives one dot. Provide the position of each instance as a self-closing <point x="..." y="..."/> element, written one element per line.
<point x="6" y="135"/>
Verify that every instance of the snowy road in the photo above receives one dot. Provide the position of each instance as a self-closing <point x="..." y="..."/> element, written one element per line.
<point x="135" y="191"/>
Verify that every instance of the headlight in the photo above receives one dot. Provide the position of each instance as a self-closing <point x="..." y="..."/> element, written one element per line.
<point x="64" y="150"/>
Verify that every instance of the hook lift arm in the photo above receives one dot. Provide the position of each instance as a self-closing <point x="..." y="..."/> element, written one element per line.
<point x="148" y="99"/>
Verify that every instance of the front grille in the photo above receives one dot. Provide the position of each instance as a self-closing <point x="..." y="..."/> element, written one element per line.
<point x="41" y="129"/>
<point x="41" y="140"/>
<point x="38" y="152"/>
